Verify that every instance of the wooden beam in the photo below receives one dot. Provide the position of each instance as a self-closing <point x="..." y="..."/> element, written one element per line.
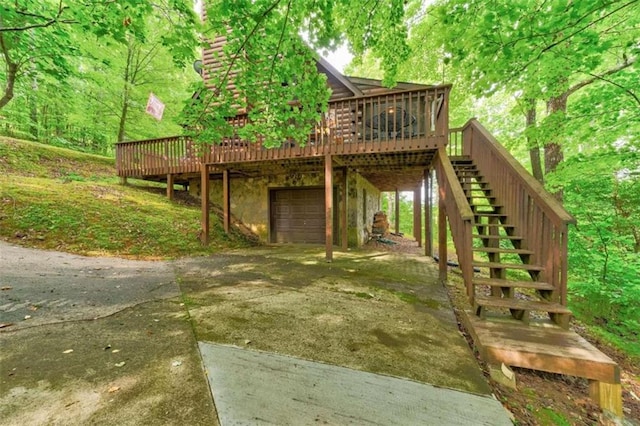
<point x="607" y="395"/>
<point x="397" y="218"/>
<point x="442" y="237"/>
<point x="204" y="198"/>
<point x="344" y="236"/>
<point x="226" y="201"/>
<point x="170" y="181"/>
<point x="428" y="214"/>
<point x="417" y="215"/>
<point x="328" y="205"/>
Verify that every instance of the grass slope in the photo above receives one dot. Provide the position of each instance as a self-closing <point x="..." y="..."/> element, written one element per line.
<point x="55" y="198"/>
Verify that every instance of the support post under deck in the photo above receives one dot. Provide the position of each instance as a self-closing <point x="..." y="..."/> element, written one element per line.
<point x="397" y="206"/>
<point x="428" y="221"/>
<point x="226" y="202"/>
<point x="328" y="205"/>
<point x="442" y="237"/>
<point x="344" y="236"/>
<point x="170" y="182"/>
<point x="417" y="215"/>
<point x="204" y="198"/>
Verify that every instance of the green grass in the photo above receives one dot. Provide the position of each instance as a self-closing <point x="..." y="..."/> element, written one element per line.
<point x="54" y="198"/>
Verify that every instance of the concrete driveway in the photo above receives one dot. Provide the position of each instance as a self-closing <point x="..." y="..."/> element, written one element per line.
<point x="112" y="341"/>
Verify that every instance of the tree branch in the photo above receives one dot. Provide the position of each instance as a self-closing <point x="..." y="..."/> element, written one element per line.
<point x="51" y="21"/>
<point x="601" y="77"/>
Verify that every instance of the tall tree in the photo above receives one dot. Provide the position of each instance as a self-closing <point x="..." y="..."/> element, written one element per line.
<point x="547" y="51"/>
<point x="272" y="64"/>
<point x="37" y="36"/>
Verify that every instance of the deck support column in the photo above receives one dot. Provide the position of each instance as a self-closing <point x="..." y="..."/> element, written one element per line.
<point x="344" y="236"/>
<point x="397" y="206"/>
<point x="417" y="215"/>
<point x="170" y="182"/>
<point x="442" y="236"/>
<point x="428" y="221"/>
<point x="607" y="395"/>
<point x="226" y="202"/>
<point x="204" y="198"/>
<point x="328" y="205"/>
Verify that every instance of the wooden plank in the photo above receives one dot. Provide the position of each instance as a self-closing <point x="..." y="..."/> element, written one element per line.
<point x="204" y="198"/>
<point x="328" y="205"/>
<point x="540" y="347"/>
<point x="528" y="305"/>
<point x="496" y="282"/>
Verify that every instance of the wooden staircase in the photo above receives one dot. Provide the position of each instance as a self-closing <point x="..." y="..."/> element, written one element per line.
<point x="504" y="224"/>
<point x="515" y="280"/>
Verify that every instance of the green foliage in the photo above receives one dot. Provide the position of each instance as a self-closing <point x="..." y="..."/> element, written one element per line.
<point x="65" y="74"/>
<point x="274" y="69"/>
<point x="602" y="189"/>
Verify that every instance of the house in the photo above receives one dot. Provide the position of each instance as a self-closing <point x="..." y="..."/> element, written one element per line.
<point x="372" y="140"/>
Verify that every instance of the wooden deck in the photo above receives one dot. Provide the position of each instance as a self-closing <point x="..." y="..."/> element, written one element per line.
<point x="376" y="131"/>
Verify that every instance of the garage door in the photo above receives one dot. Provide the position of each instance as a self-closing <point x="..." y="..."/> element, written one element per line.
<point x="297" y="215"/>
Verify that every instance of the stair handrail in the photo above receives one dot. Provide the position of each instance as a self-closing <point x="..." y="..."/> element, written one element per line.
<point x="554" y="207"/>
<point x="458" y="210"/>
<point x="536" y="214"/>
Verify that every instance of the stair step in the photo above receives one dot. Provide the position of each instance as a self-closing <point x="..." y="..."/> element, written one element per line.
<point x="488" y="197"/>
<point x="460" y="159"/>
<point x="496" y="265"/>
<point x="493" y="225"/>
<point x="525" y="305"/>
<point x="489" y="214"/>
<point x="495" y="282"/>
<point x="497" y="237"/>
<point x="501" y="250"/>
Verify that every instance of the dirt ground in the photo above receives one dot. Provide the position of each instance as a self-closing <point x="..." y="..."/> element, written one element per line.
<point x="542" y="397"/>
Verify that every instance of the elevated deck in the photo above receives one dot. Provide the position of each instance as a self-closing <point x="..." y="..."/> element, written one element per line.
<point x="387" y="133"/>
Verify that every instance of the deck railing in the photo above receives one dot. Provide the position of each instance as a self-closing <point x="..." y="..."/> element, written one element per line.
<point x="536" y="214"/>
<point x="460" y="217"/>
<point x="398" y="121"/>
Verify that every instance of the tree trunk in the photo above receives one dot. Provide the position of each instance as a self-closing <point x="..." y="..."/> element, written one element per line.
<point x="125" y="94"/>
<point x="12" y="70"/>
<point x="553" y="152"/>
<point x="532" y="143"/>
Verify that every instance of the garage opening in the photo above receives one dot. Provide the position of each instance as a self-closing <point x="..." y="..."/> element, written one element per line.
<point x="297" y="215"/>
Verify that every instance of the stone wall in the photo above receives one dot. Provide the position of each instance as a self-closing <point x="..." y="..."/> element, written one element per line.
<point x="250" y="200"/>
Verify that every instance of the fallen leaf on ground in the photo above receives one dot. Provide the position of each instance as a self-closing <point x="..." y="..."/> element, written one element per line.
<point x="6" y="287"/>
<point x="119" y="364"/>
<point x="68" y="351"/>
<point x="113" y="389"/>
<point x="115" y="351"/>
<point x="176" y="363"/>
<point x="27" y="317"/>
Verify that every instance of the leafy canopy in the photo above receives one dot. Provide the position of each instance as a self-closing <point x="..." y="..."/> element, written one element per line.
<point x="270" y="58"/>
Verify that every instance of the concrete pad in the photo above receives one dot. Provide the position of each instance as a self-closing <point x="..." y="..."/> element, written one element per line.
<point x="251" y="387"/>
